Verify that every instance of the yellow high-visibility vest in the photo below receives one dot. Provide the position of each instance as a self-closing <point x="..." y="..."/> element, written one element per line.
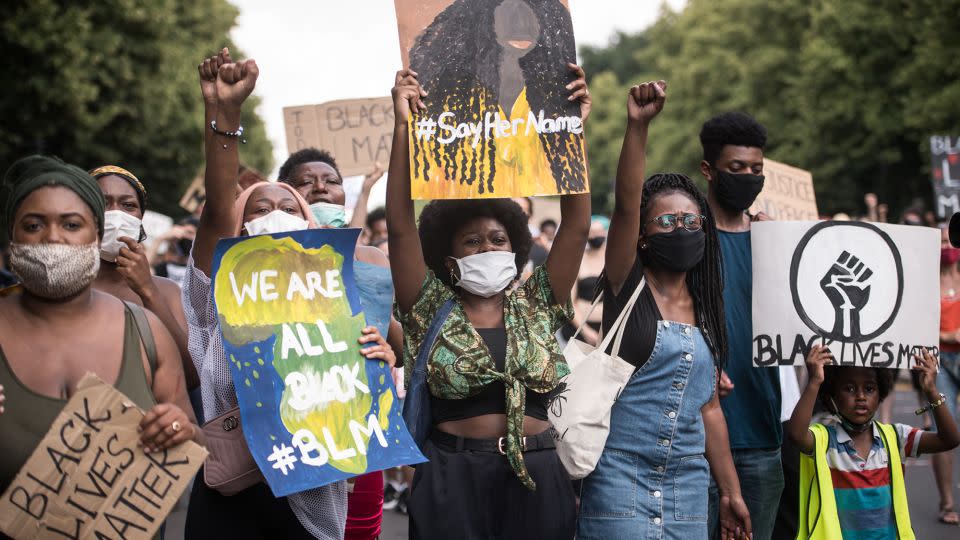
<point x="818" y="519"/>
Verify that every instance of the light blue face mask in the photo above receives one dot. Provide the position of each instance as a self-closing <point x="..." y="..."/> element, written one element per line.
<point x="329" y="214"/>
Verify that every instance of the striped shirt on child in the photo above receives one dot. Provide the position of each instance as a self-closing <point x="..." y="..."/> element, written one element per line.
<point x="862" y="486"/>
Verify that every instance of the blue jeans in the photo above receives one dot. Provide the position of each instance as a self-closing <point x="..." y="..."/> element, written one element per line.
<point x="948" y="380"/>
<point x="761" y="482"/>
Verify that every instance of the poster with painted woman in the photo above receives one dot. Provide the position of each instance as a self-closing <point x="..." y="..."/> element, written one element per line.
<point x="313" y="409"/>
<point x="498" y="122"/>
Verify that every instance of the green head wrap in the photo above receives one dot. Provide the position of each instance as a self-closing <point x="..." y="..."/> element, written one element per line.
<point x="28" y="174"/>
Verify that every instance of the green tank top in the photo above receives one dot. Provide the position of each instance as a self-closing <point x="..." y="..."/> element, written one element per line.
<point x="29" y="415"/>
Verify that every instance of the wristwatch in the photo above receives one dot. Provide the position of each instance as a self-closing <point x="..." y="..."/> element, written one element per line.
<point x="932" y="405"/>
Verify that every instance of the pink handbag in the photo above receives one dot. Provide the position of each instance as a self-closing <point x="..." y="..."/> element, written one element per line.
<point x="230" y="467"/>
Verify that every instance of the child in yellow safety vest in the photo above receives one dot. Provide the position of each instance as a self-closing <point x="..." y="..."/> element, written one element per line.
<point x="851" y="472"/>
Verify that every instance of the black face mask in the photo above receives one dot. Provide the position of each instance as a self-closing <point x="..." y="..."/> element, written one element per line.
<point x="737" y="191"/>
<point x="676" y="251"/>
<point x="596" y="241"/>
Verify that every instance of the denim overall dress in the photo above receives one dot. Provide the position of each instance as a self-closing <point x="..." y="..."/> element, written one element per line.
<point x="652" y="478"/>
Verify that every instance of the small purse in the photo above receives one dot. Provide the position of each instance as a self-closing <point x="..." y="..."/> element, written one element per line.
<point x="580" y="413"/>
<point x="230" y="467"/>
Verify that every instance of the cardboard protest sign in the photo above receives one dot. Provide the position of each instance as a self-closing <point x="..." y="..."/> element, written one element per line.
<point x="89" y="479"/>
<point x="358" y="132"/>
<point x="314" y="410"/>
<point x="945" y="169"/>
<point x="498" y="122"/>
<point x="194" y="195"/>
<point x="869" y="291"/>
<point x="787" y="194"/>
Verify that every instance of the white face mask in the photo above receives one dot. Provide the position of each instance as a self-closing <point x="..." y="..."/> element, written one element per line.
<point x="486" y="274"/>
<point x="277" y="221"/>
<point x="117" y="224"/>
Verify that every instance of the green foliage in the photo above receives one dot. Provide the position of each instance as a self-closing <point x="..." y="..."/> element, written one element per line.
<point x="848" y="89"/>
<point x="115" y="82"/>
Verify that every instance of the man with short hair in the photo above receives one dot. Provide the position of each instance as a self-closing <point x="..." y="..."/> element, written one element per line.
<point x="733" y="166"/>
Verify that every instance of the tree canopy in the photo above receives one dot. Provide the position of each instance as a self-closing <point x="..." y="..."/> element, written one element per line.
<point x="115" y="82"/>
<point x="851" y="90"/>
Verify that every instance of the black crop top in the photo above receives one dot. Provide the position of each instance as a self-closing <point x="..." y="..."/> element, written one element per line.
<point x="640" y="335"/>
<point x="492" y="399"/>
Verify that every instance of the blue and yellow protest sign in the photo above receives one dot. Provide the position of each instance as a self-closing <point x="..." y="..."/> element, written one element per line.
<point x="314" y="410"/>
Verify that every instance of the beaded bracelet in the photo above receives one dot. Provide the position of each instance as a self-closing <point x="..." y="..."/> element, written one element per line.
<point x="932" y="405"/>
<point x="238" y="134"/>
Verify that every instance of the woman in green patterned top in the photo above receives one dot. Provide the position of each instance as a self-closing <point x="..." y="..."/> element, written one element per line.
<point x="493" y="469"/>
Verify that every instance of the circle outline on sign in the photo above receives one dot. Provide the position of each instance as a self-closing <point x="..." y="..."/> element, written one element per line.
<point x="795" y="268"/>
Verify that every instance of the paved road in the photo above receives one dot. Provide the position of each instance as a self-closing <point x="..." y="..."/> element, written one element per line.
<point x="921" y="491"/>
<point x="921" y="488"/>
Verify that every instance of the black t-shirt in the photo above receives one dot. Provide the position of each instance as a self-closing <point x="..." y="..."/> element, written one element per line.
<point x="640" y="335"/>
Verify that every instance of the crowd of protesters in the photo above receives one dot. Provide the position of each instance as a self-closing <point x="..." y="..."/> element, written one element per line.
<point x="701" y="444"/>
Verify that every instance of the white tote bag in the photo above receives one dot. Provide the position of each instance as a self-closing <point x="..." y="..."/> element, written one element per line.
<point x="581" y="412"/>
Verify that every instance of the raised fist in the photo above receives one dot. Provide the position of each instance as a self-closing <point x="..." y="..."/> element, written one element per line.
<point x="646" y="101"/>
<point x="846" y="285"/>
<point x="235" y="82"/>
<point x="208" y="74"/>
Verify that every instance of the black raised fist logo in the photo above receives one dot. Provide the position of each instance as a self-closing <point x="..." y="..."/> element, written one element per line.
<point x="846" y="285"/>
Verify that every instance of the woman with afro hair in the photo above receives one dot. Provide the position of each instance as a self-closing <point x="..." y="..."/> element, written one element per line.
<point x="493" y="471"/>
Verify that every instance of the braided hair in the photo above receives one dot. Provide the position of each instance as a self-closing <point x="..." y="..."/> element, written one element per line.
<point x="705" y="280"/>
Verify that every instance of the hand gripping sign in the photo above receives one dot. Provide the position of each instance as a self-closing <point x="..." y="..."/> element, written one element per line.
<point x="88" y="478"/>
<point x="868" y="291"/>
<point x="314" y="410"/>
<point x="498" y="122"/>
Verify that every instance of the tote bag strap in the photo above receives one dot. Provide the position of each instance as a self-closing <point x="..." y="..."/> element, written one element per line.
<point x="586" y="318"/>
<point x="620" y="325"/>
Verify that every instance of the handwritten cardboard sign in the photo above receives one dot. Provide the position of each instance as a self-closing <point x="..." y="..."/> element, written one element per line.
<point x="498" y="122"/>
<point x="196" y="193"/>
<point x="787" y="194"/>
<point x="358" y="132"/>
<point x="866" y="290"/>
<point x="945" y="170"/>
<point x="314" y="410"/>
<point x="89" y="479"/>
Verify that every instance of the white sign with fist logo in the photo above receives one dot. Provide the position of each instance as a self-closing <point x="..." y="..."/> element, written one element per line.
<point x="868" y="291"/>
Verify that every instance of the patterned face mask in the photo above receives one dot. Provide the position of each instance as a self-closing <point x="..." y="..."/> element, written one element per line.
<point x="55" y="271"/>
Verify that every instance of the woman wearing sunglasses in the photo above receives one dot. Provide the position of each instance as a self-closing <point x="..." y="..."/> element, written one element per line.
<point x="667" y="431"/>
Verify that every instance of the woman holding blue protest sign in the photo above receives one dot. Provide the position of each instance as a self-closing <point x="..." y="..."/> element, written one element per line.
<point x="315" y="175"/>
<point x="492" y="359"/>
<point x="263" y="208"/>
